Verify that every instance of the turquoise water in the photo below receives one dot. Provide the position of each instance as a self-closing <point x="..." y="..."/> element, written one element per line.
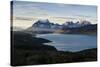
<point x="70" y="42"/>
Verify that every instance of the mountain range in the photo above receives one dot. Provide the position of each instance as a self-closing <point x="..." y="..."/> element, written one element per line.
<point x="45" y="26"/>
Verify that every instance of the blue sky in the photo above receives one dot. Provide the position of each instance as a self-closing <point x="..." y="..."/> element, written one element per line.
<point x="56" y="12"/>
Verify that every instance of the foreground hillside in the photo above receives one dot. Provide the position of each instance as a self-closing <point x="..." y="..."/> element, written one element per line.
<point x="29" y="50"/>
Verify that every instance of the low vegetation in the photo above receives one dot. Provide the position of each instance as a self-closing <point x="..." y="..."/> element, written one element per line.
<point x="29" y="50"/>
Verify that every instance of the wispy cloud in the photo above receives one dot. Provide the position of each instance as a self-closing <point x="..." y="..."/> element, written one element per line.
<point x="57" y="13"/>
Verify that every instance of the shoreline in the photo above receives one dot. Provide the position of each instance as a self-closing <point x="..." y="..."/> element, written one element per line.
<point x="28" y="50"/>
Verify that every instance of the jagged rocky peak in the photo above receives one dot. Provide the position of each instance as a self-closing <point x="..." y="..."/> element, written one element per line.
<point x="41" y="23"/>
<point x="68" y="23"/>
<point x="85" y="22"/>
<point x="43" y="20"/>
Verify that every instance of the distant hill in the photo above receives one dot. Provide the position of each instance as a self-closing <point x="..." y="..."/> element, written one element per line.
<point x="87" y="29"/>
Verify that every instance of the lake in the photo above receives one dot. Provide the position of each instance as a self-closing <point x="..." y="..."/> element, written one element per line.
<point x="70" y="42"/>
